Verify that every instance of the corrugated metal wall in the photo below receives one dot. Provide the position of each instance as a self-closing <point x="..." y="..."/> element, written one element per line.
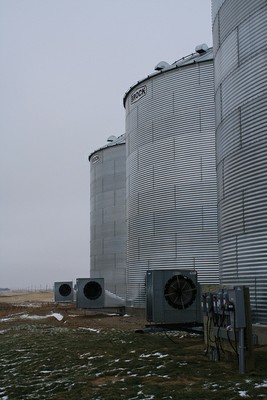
<point x="107" y="217"/>
<point x="240" y="37"/>
<point x="171" y="178"/>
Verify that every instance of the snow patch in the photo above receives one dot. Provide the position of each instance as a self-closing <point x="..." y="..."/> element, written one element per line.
<point x="90" y="329"/>
<point x="6" y="319"/>
<point x="243" y="393"/>
<point x="58" y="316"/>
<point x="260" y="385"/>
<point x="158" y="355"/>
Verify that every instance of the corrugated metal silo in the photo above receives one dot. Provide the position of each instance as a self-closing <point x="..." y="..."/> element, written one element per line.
<point x="171" y="195"/>
<point x="240" y="37"/>
<point x="107" y="215"/>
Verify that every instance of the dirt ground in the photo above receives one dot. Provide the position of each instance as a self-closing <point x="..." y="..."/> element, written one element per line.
<point x="42" y="304"/>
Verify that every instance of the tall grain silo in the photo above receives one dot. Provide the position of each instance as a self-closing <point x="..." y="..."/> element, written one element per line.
<point x="240" y="55"/>
<point x="107" y="215"/>
<point x="171" y="195"/>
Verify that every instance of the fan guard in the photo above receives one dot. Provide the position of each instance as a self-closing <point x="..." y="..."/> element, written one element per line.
<point x="92" y="290"/>
<point x="180" y="292"/>
<point x="64" y="290"/>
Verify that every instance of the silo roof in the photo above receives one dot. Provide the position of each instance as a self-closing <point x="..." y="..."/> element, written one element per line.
<point x="193" y="58"/>
<point x="112" y="141"/>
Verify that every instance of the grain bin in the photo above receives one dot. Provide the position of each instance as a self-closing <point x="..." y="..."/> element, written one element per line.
<point x="240" y="54"/>
<point x="171" y="195"/>
<point x="107" y="215"/>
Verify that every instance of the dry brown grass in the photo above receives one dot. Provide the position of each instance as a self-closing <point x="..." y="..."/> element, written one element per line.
<point x="26" y="297"/>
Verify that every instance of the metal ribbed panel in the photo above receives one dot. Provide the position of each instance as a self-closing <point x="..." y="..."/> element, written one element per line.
<point x="226" y="58"/>
<point x="233" y="12"/>
<point x="216" y="32"/>
<point x="215" y="8"/>
<point x="241" y="255"/>
<point x="107" y="218"/>
<point x="241" y="122"/>
<point x="252" y="34"/>
<point x="250" y="78"/>
<point x="171" y="178"/>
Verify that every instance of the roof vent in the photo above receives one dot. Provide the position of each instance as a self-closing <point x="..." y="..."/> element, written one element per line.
<point x="201" y="48"/>
<point x="111" y="138"/>
<point x="161" y="65"/>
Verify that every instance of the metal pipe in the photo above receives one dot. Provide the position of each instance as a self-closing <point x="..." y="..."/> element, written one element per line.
<point x="241" y="351"/>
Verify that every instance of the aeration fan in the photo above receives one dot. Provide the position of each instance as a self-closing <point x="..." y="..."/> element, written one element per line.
<point x="63" y="292"/>
<point x="172" y="296"/>
<point x="90" y="292"/>
<point x="180" y="292"/>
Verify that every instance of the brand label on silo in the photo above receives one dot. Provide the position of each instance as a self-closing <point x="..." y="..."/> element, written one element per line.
<point x="138" y="94"/>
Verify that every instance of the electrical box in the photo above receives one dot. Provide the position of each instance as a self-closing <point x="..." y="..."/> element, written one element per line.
<point x="228" y="325"/>
<point x="237" y="300"/>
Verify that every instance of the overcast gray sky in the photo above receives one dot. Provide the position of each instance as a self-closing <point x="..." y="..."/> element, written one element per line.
<point x="64" y="68"/>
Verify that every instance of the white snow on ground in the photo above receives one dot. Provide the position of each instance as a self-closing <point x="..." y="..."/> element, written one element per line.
<point x="243" y="393"/>
<point x="90" y="329"/>
<point x="58" y="316"/>
<point x="3" y="394"/>
<point x="159" y="355"/>
<point x="260" y="385"/>
<point x="6" y="319"/>
<point x="89" y="357"/>
<point x="112" y="314"/>
<point x="27" y="316"/>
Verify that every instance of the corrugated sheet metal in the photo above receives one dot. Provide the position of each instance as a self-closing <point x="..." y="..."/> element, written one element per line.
<point x="171" y="177"/>
<point x="252" y="35"/>
<point x="108" y="216"/>
<point x="215" y="6"/>
<point x="245" y="83"/>
<point x="233" y="12"/>
<point x="241" y="122"/>
<point x="226" y="58"/>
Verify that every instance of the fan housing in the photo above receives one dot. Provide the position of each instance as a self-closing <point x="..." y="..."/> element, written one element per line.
<point x="172" y="296"/>
<point x="63" y="292"/>
<point x="90" y="292"/>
